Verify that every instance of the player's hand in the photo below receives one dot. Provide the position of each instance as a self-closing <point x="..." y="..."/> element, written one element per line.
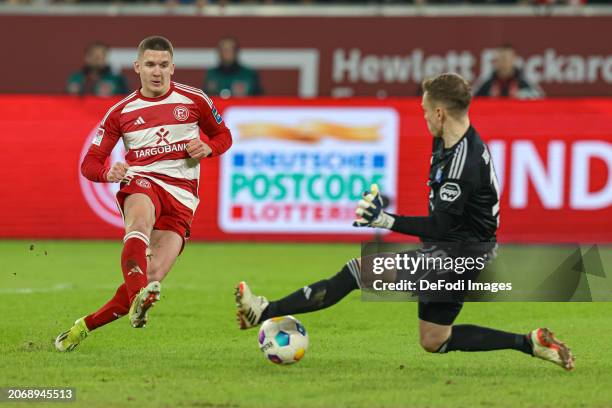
<point x="117" y="172"/>
<point x="197" y="149"/>
<point x="368" y="208"/>
<point x="370" y="211"/>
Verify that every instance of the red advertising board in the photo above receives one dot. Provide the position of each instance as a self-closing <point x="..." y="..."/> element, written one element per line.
<point x="314" y="56"/>
<point x="553" y="159"/>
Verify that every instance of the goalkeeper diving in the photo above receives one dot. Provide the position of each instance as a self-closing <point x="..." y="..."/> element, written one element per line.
<point x="463" y="208"/>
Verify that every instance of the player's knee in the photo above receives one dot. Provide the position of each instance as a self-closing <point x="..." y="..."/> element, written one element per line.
<point x="140" y="225"/>
<point x="139" y="221"/>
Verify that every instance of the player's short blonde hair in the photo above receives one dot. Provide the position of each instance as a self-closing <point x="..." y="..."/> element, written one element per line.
<point x="451" y="90"/>
<point x="156" y="43"/>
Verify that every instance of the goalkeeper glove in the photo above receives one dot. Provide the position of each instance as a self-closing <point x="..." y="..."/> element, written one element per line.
<point x="370" y="211"/>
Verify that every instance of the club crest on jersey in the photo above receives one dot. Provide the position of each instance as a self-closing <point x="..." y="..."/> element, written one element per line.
<point x="181" y="113"/>
<point x="144" y="183"/>
<point x="97" y="140"/>
<point x="450" y="192"/>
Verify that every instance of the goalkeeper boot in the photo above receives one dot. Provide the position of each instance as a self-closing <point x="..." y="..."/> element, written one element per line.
<point x="547" y="347"/>
<point x="145" y="300"/>
<point x="250" y="307"/>
<point x="69" y="340"/>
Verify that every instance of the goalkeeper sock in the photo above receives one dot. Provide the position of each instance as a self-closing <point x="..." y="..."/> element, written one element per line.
<point x="313" y="297"/>
<point x="134" y="262"/>
<point x="467" y="337"/>
<point x="118" y="306"/>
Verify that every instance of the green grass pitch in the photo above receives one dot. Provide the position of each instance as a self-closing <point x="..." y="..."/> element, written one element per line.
<point x="362" y="354"/>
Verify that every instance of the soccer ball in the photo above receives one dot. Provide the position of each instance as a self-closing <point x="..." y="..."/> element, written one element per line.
<point x="283" y="340"/>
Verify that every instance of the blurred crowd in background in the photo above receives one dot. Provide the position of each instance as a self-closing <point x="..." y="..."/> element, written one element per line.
<point x="230" y="78"/>
<point x="503" y="76"/>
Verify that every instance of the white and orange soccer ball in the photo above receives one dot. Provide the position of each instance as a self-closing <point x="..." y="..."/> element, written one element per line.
<point x="283" y="340"/>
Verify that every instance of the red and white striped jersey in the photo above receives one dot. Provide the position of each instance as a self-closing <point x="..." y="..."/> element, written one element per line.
<point x="155" y="132"/>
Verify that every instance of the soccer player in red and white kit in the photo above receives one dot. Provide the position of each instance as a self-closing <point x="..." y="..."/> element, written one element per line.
<point x="160" y="125"/>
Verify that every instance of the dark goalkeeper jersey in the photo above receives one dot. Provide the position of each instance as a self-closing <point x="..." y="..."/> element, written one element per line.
<point x="463" y="183"/>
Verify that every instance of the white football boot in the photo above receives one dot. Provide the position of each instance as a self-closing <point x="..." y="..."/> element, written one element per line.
<point x="547" y="347"/>
<point x="145" y="300"/>
<point x="250" y="307"/>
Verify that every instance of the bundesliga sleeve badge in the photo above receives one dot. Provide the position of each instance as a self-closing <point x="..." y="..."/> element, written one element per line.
<point x="97" y="140"/>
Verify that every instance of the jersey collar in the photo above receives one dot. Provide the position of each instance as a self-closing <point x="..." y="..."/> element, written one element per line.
<point x="467" y="133"/>
<point x="159" y="98"/>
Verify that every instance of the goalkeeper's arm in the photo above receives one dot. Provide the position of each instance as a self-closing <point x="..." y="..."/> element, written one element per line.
<point x="434" y="226"/>
<point x="370" y="214"/>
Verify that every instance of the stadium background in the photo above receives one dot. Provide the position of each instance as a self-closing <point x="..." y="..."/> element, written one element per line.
<point x="553" y="155"/>
<point x="339" y="67"/>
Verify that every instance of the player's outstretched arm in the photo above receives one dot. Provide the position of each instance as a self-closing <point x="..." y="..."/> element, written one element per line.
<point x="370" y="211"/>
<point x="434" y="226"/>
<point x="370" y="214"/>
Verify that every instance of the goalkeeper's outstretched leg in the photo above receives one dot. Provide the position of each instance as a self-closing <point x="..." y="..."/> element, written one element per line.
<point x="252" y="309"/>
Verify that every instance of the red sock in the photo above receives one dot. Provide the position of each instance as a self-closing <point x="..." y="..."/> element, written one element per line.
<point x="118" y="306"/>
<point x="134" y="262"/>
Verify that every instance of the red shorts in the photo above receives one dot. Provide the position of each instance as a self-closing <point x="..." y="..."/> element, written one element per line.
<point x="170" y="214"/>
